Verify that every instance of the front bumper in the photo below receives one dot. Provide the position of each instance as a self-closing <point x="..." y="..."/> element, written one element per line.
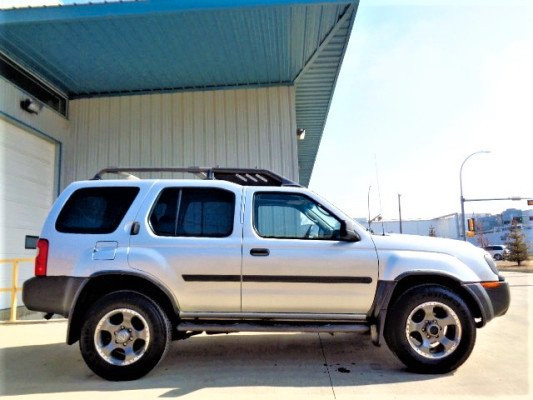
<point x="51" y="294"/>
<point x="492" y="298"/>
<point x="500" y="298"/>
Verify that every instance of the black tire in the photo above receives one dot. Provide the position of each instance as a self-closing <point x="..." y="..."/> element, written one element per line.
<point x="154" y="348"/>
<point x="400" y="341"/>
<point x="498" y="257"/>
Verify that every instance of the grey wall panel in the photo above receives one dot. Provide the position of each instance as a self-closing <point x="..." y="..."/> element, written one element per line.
<point x="237" y="128"/>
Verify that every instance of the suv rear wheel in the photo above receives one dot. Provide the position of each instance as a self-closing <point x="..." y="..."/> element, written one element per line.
<point x="124" y="336"/>
<point x="430" y="329"/>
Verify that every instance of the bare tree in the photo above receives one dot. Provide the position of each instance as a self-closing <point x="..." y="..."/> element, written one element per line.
<point x="481" y="238"/>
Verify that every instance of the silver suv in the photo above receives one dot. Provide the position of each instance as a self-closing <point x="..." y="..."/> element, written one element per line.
<point x="134" y="264"/>
<point x="498" y="252"/>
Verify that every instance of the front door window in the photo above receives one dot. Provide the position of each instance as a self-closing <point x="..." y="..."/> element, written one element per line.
<point x="293" y="216"/>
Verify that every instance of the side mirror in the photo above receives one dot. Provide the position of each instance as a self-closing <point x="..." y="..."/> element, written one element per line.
<point x="348" y="233"/>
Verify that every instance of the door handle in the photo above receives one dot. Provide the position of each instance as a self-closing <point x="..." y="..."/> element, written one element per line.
<point x="259" y="252"/>
<point x="135" y="227"/>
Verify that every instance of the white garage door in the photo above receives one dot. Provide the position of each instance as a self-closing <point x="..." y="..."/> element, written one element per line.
<point x="27" y="171"/>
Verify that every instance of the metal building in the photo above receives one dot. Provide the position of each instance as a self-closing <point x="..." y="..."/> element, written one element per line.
<point x="159" y="83"/>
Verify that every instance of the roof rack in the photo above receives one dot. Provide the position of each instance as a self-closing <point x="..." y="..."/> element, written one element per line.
<point x="240" y="176"/>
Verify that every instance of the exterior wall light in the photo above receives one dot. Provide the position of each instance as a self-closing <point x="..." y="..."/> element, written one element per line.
<point x="300" y="133"/>
<point x="31" y="106"/>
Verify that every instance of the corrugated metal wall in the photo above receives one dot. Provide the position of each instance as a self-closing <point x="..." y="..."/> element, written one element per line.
<point x="235" y="128"/>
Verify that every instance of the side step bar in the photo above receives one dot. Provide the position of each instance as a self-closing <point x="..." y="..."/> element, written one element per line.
<point x="271" y="327"/>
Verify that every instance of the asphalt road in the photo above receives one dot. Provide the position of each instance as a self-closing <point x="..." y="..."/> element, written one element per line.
<point x="36" y="363"/>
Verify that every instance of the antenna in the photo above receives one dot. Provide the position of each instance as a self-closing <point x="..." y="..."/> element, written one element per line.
<point x="368" y="205"/>
<point x="379" y="194"/>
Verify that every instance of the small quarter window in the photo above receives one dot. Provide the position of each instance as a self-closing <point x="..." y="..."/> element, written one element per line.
<point x="95" y="210"/>
<point x="200" y="212"/>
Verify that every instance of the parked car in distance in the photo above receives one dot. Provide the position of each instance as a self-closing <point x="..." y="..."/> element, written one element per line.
<point x="136" y="263"/>
<point x="498" y="252"/>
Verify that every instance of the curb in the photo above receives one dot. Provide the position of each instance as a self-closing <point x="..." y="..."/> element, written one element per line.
<point x="32" y="321"/>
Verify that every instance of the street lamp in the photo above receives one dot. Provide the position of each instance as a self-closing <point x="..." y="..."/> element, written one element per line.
<point x="461" y="187"/>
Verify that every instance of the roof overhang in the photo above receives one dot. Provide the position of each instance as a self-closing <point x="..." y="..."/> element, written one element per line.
<point x="132" y="47"/>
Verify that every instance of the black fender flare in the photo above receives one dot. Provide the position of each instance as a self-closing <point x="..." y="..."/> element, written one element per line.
<point x="472" y="292"/>
<point x="125" y="280"/>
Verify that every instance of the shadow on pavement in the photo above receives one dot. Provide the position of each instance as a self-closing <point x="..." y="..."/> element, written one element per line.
<point x="277" y="360"/>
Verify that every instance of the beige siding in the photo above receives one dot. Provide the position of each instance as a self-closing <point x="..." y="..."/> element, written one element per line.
<point x="235" y="128"/>
<point x="240" y="128"/>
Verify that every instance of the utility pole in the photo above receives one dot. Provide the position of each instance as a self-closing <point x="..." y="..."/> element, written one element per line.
<point x="400" y="210"/>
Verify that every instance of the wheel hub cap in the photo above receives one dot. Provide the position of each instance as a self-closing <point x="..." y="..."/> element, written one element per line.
<point x="433" y="330"/>
<point x="122" y="336"/>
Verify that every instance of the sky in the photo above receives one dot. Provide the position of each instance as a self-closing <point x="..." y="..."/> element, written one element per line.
<point x="423" y="85"/>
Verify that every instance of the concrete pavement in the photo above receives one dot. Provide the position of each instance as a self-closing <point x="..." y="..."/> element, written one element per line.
<point x="35" y="362"/>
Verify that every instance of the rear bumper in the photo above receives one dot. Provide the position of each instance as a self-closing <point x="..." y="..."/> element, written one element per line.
<point x="51" y="294"/>
<point x="492" y="302"/>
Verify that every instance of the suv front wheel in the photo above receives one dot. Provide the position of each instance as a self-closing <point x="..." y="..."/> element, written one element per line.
<point x="124" y="336"/>
<point x="430" y="329"/>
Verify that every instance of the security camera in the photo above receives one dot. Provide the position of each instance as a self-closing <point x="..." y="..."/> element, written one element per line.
<point x="31" y="106"/>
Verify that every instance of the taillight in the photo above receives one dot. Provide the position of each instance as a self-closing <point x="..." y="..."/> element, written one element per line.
<point x="41" y="261"/>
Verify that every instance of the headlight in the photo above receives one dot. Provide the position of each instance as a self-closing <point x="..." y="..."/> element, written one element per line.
<point x="492" y="264"/>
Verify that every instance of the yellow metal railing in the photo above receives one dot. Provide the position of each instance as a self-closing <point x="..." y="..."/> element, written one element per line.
<point x="14" y="289"/>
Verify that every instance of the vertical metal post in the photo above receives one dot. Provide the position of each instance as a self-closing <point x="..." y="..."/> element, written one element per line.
<point x="463" y="227"/>
<point x="400" y="210"/>
<point x="14" y="280"/>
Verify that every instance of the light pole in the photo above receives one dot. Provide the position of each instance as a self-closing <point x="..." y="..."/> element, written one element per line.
<point x="463" y="234"/>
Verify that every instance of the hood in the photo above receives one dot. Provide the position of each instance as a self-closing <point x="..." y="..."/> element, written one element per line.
<point x="423" y="243"/>
<point x="464" y="251"/>
<point x="461" y="259"/>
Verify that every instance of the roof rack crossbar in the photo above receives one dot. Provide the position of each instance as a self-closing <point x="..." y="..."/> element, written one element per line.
<point x="241" y="176"/>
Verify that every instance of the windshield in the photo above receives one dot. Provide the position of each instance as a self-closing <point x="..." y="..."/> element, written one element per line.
<point x="339" y="212"/>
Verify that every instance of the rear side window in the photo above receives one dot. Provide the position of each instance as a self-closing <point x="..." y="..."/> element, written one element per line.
<point x="193" y="212"/>
<point x="95" y="210"/>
